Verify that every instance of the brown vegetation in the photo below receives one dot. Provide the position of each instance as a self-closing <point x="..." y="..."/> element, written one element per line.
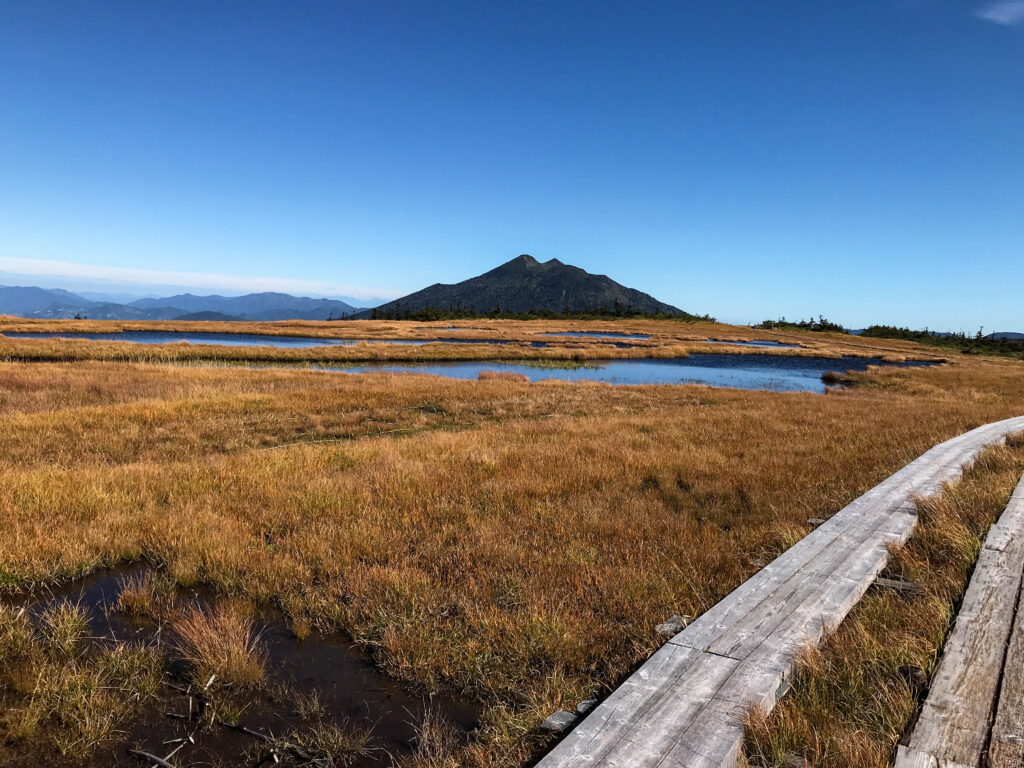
<point x="516" y="542"/>
<point x="503" y="376"/>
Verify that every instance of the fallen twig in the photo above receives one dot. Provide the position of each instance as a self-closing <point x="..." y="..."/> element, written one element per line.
<point x="151" y="758"/>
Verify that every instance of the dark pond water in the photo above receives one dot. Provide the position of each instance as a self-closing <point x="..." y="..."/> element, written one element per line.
<point x="640" y="336"/>
<point x="350" y="689"/>
<point x="235" y="339"/>
<point x="772" y="372"/>
<point x="598" y="334"/>
<point x="756" y="343"/>
<point x="252" y="339"/>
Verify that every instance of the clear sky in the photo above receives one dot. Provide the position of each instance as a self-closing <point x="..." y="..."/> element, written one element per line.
<point x="860" y="159"/>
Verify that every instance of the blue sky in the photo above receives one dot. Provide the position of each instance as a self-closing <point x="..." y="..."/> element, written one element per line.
<point x="750" y="159"/>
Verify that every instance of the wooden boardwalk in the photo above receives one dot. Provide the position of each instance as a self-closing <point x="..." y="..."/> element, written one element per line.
<point x="974" y="712"/>
<point x="685" y="706"/>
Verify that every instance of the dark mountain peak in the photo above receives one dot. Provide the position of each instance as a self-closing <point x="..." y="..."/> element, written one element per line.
<point x="525" y="285"/>
<point x="526" y="260"/>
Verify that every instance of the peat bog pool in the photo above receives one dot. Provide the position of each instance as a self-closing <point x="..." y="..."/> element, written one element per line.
<point x="236" y="339"/>
<point x="779" y="373"/>
<point x="598" y="334"/>
<point x="756" y="343"/>
<point x="257" y="340"/>
<point x="318" y="682"/>
<point x="620" y="340"/>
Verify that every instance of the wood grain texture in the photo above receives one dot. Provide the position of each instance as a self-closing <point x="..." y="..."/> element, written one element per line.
<point x="686" y="706"/>
<point x="1007" y="740"/>
<point x="976" y="669"/>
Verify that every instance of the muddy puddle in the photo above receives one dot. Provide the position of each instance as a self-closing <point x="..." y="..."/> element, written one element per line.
<point x="317" y="694"/>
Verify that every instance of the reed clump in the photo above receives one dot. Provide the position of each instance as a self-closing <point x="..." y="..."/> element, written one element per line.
<point x="220" y="644"/>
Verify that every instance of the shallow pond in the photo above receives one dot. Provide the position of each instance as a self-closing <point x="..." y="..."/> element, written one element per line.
<point x="756" y="343"/>
<point x="255" y="340"/>
<point x="620" y="340"/>
<point x="235" y="339"/>
<point x="779" y="373"/>
<point x="598" y="334"/>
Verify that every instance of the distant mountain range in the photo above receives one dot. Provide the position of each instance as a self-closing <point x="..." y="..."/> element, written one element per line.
<point x="56" y="303"/>
<point x="526" y="285"/>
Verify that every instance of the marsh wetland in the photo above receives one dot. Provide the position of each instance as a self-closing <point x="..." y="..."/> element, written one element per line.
<point x="439" y="562"/>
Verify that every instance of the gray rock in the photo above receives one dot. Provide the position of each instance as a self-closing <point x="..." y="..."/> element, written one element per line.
<point x="558" y="722"/>
<point x="673" y="626"/>
<point x="585" y="706"/>
<point x="916" y="677"/>
<point x="793" y="760"/>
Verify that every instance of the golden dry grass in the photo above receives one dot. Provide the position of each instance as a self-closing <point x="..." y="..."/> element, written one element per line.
<point x="220" y="644"/>
<point x="516" y="542"/>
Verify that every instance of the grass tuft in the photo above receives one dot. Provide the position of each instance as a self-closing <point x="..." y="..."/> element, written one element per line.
<point x="145" y="595"/>
<point x="64" y="625"/>
<point x="335" y="745"/>
<point x="437" y="741"/>
<point x="219" y="643"/>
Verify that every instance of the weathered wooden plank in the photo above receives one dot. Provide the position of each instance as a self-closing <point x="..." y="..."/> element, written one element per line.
<point x="799" y="559"/>
<point x="658" y="678"/>
<point x="1007" y="739"/>
<point x="956" y="719"/>
<point x="1010" y="525"/>
<point x="860" y="550"/>
<point x="656" y="735"/>
<point x="685" y="707"/>
<point x="911" y="758"/>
